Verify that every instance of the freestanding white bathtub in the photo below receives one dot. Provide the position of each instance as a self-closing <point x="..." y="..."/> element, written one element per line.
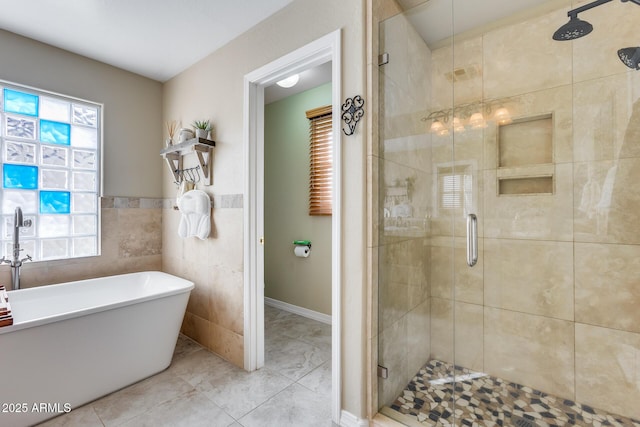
<point x="74" y="342"/>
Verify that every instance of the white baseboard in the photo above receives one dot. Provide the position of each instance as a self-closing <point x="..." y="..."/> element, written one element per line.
<point x="301" y="311"/>
<point x="347" y="419"/>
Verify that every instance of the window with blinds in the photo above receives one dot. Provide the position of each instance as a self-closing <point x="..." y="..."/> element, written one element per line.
<point x="321" y="161"/>
<point x="455" y="186"/>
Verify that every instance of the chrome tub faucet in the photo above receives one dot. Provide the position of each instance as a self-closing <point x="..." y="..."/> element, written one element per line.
<point x="16" y="262"/>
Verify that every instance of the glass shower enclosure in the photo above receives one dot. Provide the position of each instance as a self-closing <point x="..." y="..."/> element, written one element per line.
<point x="509" y="237"/>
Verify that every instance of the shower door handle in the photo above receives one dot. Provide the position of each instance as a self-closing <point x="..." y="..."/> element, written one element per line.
<point x="472" y="240"/>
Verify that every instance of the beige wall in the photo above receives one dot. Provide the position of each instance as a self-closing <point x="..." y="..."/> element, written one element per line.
<point x="552" y="302"/>
<point x="132" y="128"/>
<point x="131" y="209"/>
<point x="213" y="89"/>
<point x="302" y="282"/>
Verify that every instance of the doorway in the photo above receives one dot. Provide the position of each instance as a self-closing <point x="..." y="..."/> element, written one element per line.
<point x="323" y="50"/>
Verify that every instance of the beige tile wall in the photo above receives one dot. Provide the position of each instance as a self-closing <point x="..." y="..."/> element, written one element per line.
<point x="533" y="350"/>
<point x="214" y="312"/>
<point x="553" y="302"/>
<point x="607" y="359"/>
<point x="557" y="276"/>
<point x="131" y="229"/>
<point x="529" y="276"/>
<point x="606" y="285"/>
<point x="132" y="240"/>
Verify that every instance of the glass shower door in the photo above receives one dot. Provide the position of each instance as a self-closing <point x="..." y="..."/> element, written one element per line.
<point x="487" y="116"/>
<point x="457" y="123"/>
<point x="416" y="240"/>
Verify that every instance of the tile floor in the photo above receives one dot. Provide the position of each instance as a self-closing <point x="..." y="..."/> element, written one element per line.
<point x="201" y="389"/>
<point x="484" y="400"/>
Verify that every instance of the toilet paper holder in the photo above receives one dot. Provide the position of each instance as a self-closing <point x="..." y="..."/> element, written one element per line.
<point x="302" y="243"/>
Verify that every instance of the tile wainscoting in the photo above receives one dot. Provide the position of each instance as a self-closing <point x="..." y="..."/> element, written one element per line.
<point x="215" y="312"/>
<point x="131" y="241"/>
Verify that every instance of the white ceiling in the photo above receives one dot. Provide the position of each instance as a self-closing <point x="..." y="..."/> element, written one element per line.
<point x="435" y="19"/>
<point x="155" y="38"/>
<point x="160" y="38"/>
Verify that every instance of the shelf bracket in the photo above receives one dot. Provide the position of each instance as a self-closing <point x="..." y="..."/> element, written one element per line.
<point x="174" y="160"/>
<point x="205" y="155"/>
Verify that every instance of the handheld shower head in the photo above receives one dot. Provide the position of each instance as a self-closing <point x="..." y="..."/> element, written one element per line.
<point x="574" y="29"/>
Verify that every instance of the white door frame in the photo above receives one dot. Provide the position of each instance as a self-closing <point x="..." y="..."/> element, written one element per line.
<point x="323" y="50"/>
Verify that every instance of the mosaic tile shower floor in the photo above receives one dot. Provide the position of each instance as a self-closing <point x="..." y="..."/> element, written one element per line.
<point x="483" y="400"/>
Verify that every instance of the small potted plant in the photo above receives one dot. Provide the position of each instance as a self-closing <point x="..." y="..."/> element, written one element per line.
<point x="202" y="128"/>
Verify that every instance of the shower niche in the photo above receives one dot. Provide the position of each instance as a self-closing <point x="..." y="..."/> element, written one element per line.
<point x="525" y="156"/>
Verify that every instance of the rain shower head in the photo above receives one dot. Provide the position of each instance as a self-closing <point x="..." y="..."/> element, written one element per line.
<point x="630" y="56"/>
<point x="574" y="29"/>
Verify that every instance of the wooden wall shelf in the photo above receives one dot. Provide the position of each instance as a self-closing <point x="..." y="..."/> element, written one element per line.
<point x="203" y="149"/>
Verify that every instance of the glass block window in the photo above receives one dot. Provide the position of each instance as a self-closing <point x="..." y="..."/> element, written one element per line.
<point x="50" y="167"/>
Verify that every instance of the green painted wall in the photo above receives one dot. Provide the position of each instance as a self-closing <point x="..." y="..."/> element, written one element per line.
<point x="304" y="282"/>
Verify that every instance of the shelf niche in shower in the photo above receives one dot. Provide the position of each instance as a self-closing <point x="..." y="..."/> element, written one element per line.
<point x="531" y="185"/>
<point x="524" y="147"/>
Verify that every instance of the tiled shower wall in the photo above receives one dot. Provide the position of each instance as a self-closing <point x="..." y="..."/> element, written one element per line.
<point x="553" y="300"/>
<point x="131" y="234"/>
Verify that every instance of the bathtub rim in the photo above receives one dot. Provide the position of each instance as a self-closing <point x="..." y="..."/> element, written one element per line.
<point x="188" y="287"/>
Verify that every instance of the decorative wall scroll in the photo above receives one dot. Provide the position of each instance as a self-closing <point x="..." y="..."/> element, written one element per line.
<point x="352" y="112"/>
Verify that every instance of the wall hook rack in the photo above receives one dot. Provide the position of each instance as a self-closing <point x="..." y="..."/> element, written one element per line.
<point x="188" y="174"/>
<point x="352" y="112"/>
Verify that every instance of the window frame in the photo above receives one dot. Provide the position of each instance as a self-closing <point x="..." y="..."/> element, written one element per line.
<point x="33" y="234"/>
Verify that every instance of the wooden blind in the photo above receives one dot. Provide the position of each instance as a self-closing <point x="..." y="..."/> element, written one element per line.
<point x="321" y="161"/>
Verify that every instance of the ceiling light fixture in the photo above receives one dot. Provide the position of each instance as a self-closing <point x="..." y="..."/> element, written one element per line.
<point x="289" y="81"/>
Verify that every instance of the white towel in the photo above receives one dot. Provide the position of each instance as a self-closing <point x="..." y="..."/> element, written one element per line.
<point x="195" y="207"/>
